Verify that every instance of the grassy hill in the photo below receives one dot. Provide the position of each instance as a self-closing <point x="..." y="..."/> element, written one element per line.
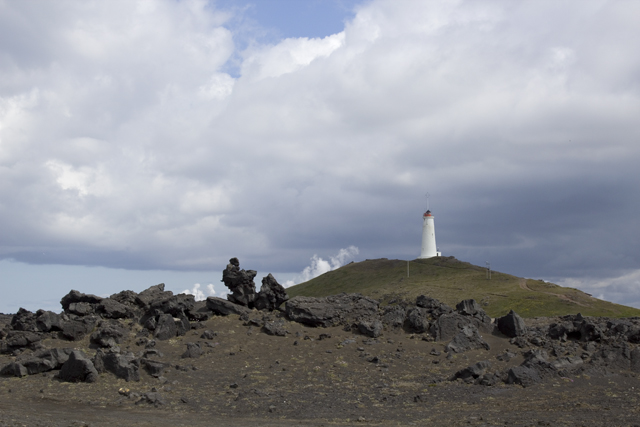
<point x="451" y="281"/>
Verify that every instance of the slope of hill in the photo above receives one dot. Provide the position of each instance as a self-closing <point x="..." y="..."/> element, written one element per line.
<point x="451" y="280"/>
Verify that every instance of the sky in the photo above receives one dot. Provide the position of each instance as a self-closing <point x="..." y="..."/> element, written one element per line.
<point x="150" y="141"/>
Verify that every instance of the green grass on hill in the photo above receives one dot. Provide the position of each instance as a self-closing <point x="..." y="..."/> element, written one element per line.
<point x="451" y="281"/>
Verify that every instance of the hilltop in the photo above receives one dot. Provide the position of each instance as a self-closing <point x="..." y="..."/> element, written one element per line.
<point x="450" y="280"/>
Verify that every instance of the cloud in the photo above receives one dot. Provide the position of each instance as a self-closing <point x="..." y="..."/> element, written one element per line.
<point x="623" y="289"/>
<point x="288" y="56"/>
<point x="125" y="142"/>
<point x="200" y="294"/>
<point x="320" y="266"/>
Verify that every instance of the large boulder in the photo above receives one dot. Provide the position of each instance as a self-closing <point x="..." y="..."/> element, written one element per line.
<point x="394" y="316"/>
<point x="332" y="310"/>
<point x="75" y="329"/>
<point x="78" y="368"/>
<point x="447" y="326"/>
<point x="24" y="320"/>
<point x="370" y="328"/>
<point x="223" y="307"/>
<point x="182" y="324"/>
<point x="418" y="320"/>
<point x="13" y="369"/>
<point x="199" y="312"/>
<point x="165" y="327"/>
<point x="81" y="308"/>
<point x="78" y="297"/>
<point x="112" y="309"/>
<point x="433" y="306"/>
<point x="590" y="331"/>
<point x="176" y="305"/>
<point x="470" y="307"/>
<point x="536" y="367"/>
<point x="21" y="339"/>
<point x="272" y="294"/>
<point x="127" y="298"/>
<point x="560" y="331"/>
<point x="512" y="325"/>
<point x="577" y="327"/>
<point x="45" y="360"/>
<point x="153" y="294"/>
<point x="523" y="375"/>
<point x="36" y="365"/>
<point x="58" y="356"/>
<point x="48" y="321"/>
<point x="108" y="335"/>
<point x="40" y="321"/>
<point x="125" y="366"/>
<point x="467" y="339"/>
<point x="240" y="283"/>
<point x="468" y="312"/>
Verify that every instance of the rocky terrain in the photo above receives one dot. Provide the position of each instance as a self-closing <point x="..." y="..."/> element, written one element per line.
<point x="260" y="358"/>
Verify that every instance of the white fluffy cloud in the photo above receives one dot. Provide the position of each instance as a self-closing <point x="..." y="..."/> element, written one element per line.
<point x="622" y="289"/>
<point x="200" y="294"/>
<point x="125" y="141"/>
<point x="288" y="56"/>
<point x="319" y="266"/>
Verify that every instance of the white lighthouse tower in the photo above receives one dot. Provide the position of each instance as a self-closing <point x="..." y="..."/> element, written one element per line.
<point x="429" y="249"/>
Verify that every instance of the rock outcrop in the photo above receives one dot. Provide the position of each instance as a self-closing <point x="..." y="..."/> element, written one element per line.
<point x="125" y="366"/>
<point x="467" y="339"/>
<point x="75" y="297"/>
<point x="44" y="360"/>
<point x="224" y="308"/>
<point x="394" y="316"/>
<point x="78" y="368"/>
<point x="272" y="294"/>
<point x="240" y="283"/>
<point x="108" y="335"/>
<point x="512" y="325"/>
<point x="333" y="310"/>
<point x="433" y="306"/>
<point x="417" y="320"/>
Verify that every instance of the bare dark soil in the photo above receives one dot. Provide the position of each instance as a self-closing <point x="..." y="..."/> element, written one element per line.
<point x="316" y="377"/>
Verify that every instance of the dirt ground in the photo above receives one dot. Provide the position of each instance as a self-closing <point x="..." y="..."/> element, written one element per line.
<point x="315" y="377"/>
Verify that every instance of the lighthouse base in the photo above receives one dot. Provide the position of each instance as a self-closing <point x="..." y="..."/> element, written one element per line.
<point x="431" y="256"/>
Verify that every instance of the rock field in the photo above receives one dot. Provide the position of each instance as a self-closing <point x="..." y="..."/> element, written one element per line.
<point x="260" y="358"/>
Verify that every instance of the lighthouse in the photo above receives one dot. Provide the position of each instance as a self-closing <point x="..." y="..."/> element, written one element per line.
<point x="429" y="249"/>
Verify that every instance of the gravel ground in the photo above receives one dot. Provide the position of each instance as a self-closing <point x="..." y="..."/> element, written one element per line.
<point x="316" y="377"/>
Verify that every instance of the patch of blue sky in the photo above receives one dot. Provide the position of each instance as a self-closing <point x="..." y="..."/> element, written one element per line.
<point x="270" y="21"/>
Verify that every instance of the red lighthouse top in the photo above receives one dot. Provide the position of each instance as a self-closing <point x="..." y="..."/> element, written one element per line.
<point x="427" y="213"/>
